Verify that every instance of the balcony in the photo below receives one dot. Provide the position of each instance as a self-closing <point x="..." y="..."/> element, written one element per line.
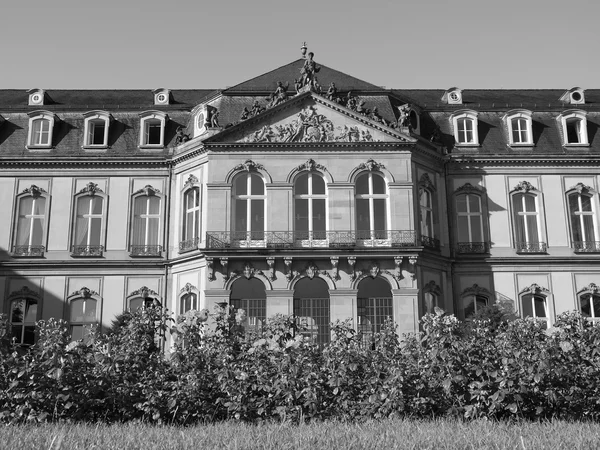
<point x="189" y="245"/>
<point x="586" y="246"/>
<point x="473" y="248"/>
<point x="145" y="250"/>
<point x="314" y="239"/>
<point x="532" y="247"/>
<point x="28" y="251"/>
<point x="430" y="242"/>
<point x="87" y="250"/>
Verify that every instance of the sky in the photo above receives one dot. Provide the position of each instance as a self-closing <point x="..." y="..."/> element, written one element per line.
<point x="185" y="44"/>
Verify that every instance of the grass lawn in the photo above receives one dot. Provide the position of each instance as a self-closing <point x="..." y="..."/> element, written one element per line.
<point x="386" y="434"/>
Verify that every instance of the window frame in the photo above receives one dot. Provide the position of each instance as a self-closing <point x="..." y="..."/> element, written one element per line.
<point x="147" y="249"/>
<point x="89" y="192"/>
<point x="310" y="197"/>
<point x="432" y="293"/>
<point x="147" y="296"/>
<point x="91" y="118"/>
<point x="509" y="119"/>
<point x="525" y="188"/>
<point x="426" y="187"/>
<point x="465" y="115"/>
<point x="373" y="233"/>
<point x="33" y="250"/>
<point x="471" y="246"/>
<point x="27" y="295"/>
<point x="83" y="294"/>
<point x="569" y="116"/>
<point x="591" y="290"/>
<point x="146" y="119"/>
<point x="248" y="234"/>
<point x="40" y="116"/>
<point x="191" y="243"/>
<point x="585" y="245"/>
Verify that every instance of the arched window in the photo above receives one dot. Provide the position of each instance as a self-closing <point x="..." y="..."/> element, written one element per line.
<point x="465" y="127"/>
<point x="96" y="129"/>
<point x="311" y="308"/>
<point x="187" y="302"/>
<point x="589" y="304"/>
<point x="519" y="127"/>
<point x="146" y="223"/>
<point x="371" y="206"/>
<point x="310" y="207"/>
<point x="23" y="315"/>
<point x="88" y="233"/>
<point x="83" y="314"/>
<point x="527" y="220"/>
<point x="41" y="126"/>
<point x="432" y="297"/>
<point x="535" y="305"/>
<point x="473" y="303"/>
<point x="583" y="219"/>
<point x="249" y="294"/>
<point x="573" y="124"/>
<point x="143" y="298"/>
<point x="152" y="129"/>
<point x="374" y="306"/>
<point x="30" y="232"/>
<point x="249" y="208"/>
<point x="469" y="221"/>
<point x="191" y="220"/>
<point x="426" y="208"/>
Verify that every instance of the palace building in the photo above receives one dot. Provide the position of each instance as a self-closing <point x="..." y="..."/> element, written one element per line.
<point x="302" y="191"/>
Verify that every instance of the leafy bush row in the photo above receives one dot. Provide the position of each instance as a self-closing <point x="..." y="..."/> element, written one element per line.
<point x="490" y="367"/>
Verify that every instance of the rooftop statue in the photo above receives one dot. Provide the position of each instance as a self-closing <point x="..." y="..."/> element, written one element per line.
<point x="308" y="73"/>
<point x="279" y="96"/>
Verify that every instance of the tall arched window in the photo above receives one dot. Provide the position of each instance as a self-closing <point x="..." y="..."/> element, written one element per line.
<point x="432" y="297"/>
<point x="374" y="306"/>
<point x="146" y="229"/>
<point x="191" y="221"/>
<point x="23" y="315"/>
<point x="371" y="206"/>
<point x="83" y="312"/>
<point x="311" y="308"/>
<point x="30" y="232"/>
<point x="143" y="298"/>
<point x="310" y="207"/>
<point x="426" y="205"/>
<point x="187" y="302"/>
<point x="88" y="233"/>
<point x="473" y="303"/>
<point x="589" y="305"/>
<point x="527" y="220"/>
<point x="249" y="294"/>
<point x="535" y="305"/>
<point x="469" y="221"/>
<point x="584" y="224"/>
<point x="248" y="208"/>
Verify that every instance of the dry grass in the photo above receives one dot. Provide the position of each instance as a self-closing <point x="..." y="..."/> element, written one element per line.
<point x="388" y="434"/>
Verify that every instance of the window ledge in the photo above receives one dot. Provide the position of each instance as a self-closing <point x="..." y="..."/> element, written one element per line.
<point x="521" y="145"/>
<point x="39" y="147"/>
<point x="94" y="147"/>
<point x="459" y="145"/>
<point x="152" y="147"/>
<point x="575" y="145"/>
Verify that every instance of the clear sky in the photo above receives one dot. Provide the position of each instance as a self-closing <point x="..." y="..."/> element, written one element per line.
<point x="126" y="44"/>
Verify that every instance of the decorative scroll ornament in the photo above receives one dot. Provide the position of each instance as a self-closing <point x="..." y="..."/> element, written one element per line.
<point x="371" y="165"/>
<point x="374" y="269"/>
<point x="311" y="270"/>
<point x="248" y="271"/>
<point x="311" y="165"/>
<point x="147" y="190"/>
<point x="85" y="292"/>
<point x="591" y="288"/>
<point x="288" y="268"/>
<point x="398" y="263"/>
<point x="34" y="190"/>
<point x="524" y="186"/>
<point x="192" y="180"/>
<point x="271" y="264"/>
<point x="90" y="189"/>
<point x="210" y="264"/>
<point x="582" y="188"/>
<point x="334" y="264"/>
<point x="224" y="262"/>
<point x="249" y="166"/>
<point x="188" y="288"/>
<point x="351" y="263"/>
<point x="468" y="188"/>
<point x="144" y="292"/>
<point x="24" y="292"/>
<point x="426" y="183"/>
<point x="476" y="290"/>
<point x="534" y="289"/>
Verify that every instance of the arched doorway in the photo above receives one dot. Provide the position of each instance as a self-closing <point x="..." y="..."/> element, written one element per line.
<point x="311" y="308"/>
<point x="374" y="306"/>
<point x="249" y="295"/>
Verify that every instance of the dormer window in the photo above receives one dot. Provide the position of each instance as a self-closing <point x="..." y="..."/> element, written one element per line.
<point x="574" y="96"/>
<point x="96" y="129"/>
<point x="161" y="96"/>
<point x="465" y="127"/>
<point x="518" y="123"/>
<point x="573" y="125"/>
<point x="453" y="96"/>
<point x="41" y="125"/>
<point x="36" y="97"/>
<point x="152" y="130"/>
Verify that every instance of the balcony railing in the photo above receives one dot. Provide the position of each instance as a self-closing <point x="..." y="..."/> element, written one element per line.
<point x="430" y="242"/>
<point x="145" y="250"/>
<point x="87" y="250"/>
<point x="473" y="247"/>
<point x="586" y="246"/>
<point x="532" y="247"/>
<point x="189" y="245"/>
<point x="32" y="251"/>
<point x="313" y="239"/>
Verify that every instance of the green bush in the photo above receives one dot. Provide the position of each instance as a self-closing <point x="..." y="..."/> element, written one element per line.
<point x="492" y="366"/>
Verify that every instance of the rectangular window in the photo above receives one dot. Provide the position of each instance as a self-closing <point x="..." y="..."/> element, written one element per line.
<point x="520" y="131"/>
<point x="256" y="312"/>
<point x="41" y="132"/>
<point x="97" y="130"/>
<point x="312" y="315"/>
<point x="372" y="314"/>
<point x="465" y="131"/>
<point x="153" y="132"/>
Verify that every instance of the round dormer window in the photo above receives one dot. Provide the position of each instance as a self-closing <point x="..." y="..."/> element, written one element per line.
<point x="161" y="98"/>
<point x="576" y="96"/>
<point x="36" y="98"/>
<point x="454" y="96"/>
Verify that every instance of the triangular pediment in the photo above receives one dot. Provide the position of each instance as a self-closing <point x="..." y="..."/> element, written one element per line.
<point x="310" y="118"/>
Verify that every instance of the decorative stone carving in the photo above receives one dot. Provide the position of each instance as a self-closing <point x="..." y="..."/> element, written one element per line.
<point x="352" y="263"/>
<point x="334" y="263"/>
<point x="188" y="288"/>
<point x="524" y="186"/>
<point x="311" y="165"/>
<point x="90" y="189"/>
<point x="476" y="290"/>
<point x="279" y="96"/>
<point x="432" y="287"/>
<point x="582" y="188"/>
<point x="245" y="114"/>
<point x="468" y="188"/>
<point x="591" y="288"/>
<point x="249" y="166"/>
<point x="224" y="262"/>
<point x="248" y="271"/>
<point x="147" y="190"/>
<point x="180" y="136"/>
<point x="85" y="292"/>
<point x="404" y="118"/>
<point x="534" y="289"/>
<point x="374" y="269"/>
<point x="288" y="268"/>
<point x="144" y="292"/>
<point x="256" y="109"/>
<point x="24" y="292"/>
<point x="371" y="165"/>
<point x="191" y="180"/>
<point x="210" y="265"/>
<point x="398" y="271"/>
<point x="311" y="270"/>
<point x="34" y="191"/>
<point x="426" y="183"/>
<point x="308" y="73"/>
<point x="332" y="92"/>
<point x="271" y="264"/>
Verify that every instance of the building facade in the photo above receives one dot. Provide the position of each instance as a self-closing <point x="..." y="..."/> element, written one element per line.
<point x="302" y="191"/>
